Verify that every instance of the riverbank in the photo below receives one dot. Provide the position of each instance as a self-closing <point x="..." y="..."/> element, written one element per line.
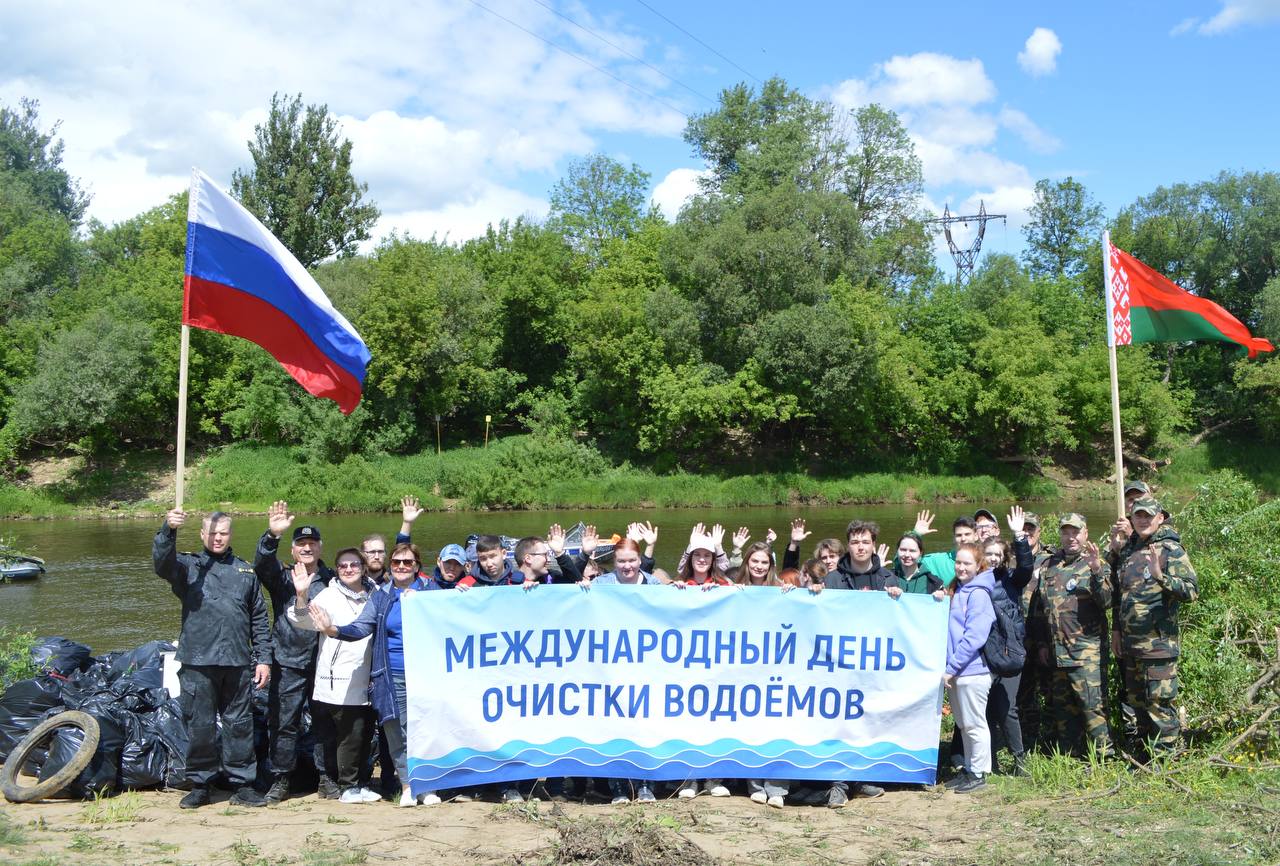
<point x="1199" y="816"/>
<point x="525" y="472"/>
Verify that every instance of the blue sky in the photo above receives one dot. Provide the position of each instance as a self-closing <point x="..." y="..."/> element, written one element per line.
<point x="460" y="117"/>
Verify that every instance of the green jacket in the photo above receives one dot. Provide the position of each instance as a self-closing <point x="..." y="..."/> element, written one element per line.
<point x="941" y="564"/>
<point x="1146" y="613"/>
<point x="1075" y="610"/>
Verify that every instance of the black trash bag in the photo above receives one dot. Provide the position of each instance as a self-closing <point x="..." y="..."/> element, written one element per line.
<point x="100" y="776"/>
<point x="22" y="707"/>
<point x="144" y="762"/>
<point x="146" y="657"/>
<point x="60" y="655"/>
<point x="141" y="691"/>
<point x="165" y="727"/>
<point x="82" y="684"/>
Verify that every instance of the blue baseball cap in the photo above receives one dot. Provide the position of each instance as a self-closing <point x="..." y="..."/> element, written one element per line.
<point x="453" y="552"/>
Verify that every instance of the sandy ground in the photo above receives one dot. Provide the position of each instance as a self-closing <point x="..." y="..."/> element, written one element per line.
<point x="902" y="827"/>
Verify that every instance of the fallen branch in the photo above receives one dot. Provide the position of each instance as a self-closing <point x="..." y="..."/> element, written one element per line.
<point x="1252" y="693"/>
<point x="1162" y="776"/>
<point x="1246" y="733"/>
<point x="1209" y="431"/>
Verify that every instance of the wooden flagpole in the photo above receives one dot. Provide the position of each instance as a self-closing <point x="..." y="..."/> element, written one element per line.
<point x="1115" y="379"/>
<point x="182" y="411"/>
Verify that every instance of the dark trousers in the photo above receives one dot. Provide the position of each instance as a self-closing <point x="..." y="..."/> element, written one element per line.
<point x="1035" y="702"/>
<point x="1002" y="714"/>
<point x="209" y="691"/>
<point x="289" y="690"/>
<point x="344" y="733"/>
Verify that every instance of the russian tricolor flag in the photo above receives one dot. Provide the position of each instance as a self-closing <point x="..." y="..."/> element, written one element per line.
<point x="240" y="280"/>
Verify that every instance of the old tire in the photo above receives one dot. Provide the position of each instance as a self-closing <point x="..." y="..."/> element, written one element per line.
<point x="16" y="793"/>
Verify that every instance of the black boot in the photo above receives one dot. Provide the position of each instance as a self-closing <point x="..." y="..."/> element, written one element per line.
<point x="196" y="797"/>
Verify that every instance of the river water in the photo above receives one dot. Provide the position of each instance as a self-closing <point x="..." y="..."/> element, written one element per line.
<point x="100" y="588"/>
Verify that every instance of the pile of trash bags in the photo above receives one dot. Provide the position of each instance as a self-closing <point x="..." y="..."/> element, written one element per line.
<point x="143" y="739"/>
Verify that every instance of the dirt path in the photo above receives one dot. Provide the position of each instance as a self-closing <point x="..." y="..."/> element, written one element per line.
<point x="148" y="828"/>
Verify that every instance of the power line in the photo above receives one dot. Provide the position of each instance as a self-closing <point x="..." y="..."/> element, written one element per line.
<point x="581" y="59"/>
<point x="699" y="41"/>
<point x="622" y="50"/>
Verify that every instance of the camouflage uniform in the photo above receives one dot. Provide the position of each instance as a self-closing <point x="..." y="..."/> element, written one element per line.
<point x="1034" y="689"/>
<point x="1075" y="609"/>
<point x="1146" y="616"/>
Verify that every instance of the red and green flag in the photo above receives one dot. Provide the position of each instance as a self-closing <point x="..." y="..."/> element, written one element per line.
<point x="1144" y="306"/>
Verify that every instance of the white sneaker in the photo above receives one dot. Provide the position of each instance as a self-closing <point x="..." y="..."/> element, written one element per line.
<point x="430" y="798"/>
<point x="688" y="791"/>
<point x="718" y="791"/>
<point x="369" y="796"/>
<point x="351" y="795"/>
<point x="645" y="795"/>
<point x="776" y="801"/>
<point x="759" y="797"/>
<point x="620" y="800"/>
<point x="407" y="799"/>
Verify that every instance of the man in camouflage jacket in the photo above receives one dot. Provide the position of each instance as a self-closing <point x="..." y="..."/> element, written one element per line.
<point x="1152" y="581"/>
<point x="1071" y="586"/>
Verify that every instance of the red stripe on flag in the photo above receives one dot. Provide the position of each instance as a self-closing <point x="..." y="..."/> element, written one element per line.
<point x="227" y="310"/>
<point x="1152" y="289"/>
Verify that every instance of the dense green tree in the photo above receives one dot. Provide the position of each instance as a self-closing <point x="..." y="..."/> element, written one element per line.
<point x="34" y="157"/>
<point x="1063" y="230"/>
<point x="300" y="184"/>
<point x="598" y="200"/>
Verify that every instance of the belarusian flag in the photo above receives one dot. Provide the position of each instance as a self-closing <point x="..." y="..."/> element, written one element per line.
<point x="1144" y="306"/>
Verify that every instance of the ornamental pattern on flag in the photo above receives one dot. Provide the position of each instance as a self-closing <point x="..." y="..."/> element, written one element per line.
<point x="1121" y="326"/>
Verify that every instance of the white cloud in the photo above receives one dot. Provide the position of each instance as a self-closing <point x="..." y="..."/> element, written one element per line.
<point x="458" y="220"/>
<point x="1039" y="56"/>
<point x="944" y="102"/>
<point x="1027" y="129"/>
<point x="450" y="109"/>
<point x="675" y="189"/>
<point x="1184" y="26"/>
<point x="927" y="78"/>
<point x="1237" y="13"/>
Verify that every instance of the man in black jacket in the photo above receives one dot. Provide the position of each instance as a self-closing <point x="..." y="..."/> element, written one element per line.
<point x="224" y="633"/>
<point x="293" y="669"/>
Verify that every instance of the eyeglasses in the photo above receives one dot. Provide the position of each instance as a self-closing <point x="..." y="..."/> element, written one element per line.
<point x="348" y="565"/>
<point x="404" y="562"/>
<point x="375" y="553"/>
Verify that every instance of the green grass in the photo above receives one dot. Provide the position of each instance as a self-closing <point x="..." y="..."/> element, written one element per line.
<point x="1257" y="461"/>
<point x="122" y="809"/>
<point x="11" y="835"/>
<point x="529" y="472"/>
<point x="20" y="502"/>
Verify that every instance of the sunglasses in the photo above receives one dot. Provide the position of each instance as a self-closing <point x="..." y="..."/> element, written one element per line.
<point x="404" y="562"/>
<point x="348" y="565"/>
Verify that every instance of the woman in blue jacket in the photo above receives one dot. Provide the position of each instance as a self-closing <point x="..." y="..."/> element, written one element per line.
<point x="968" y="679"/>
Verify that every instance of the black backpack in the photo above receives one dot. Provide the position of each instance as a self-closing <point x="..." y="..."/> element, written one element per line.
<point x="1004" y="654"/>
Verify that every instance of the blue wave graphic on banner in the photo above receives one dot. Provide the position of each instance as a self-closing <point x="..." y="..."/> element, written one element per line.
<point x="675" y="760"/>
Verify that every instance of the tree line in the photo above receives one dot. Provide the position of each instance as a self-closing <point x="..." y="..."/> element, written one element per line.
<point x="791" y="314"/>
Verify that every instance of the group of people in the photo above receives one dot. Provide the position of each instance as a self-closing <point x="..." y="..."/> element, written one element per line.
<point x="336" y="643"/>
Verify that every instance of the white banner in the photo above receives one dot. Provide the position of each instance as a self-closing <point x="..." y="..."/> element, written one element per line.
<point x="661" y="683"/>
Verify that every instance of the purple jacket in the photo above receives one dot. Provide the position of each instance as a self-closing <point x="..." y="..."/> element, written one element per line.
<point x="969" y="625"/>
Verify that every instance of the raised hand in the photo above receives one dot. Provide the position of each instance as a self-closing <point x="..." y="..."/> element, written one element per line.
<point x="717" y="537"/>
<point x="741" y="537"/>
<point x="321" y="619"/>
<point x="883" y="552"/>
<point x="924" y="522"/>
<point x="175" y="518"/>
<point x="1017" y="519"/>
<point x="648" y="532"/>
<point x="1091" y="556"/>
<point x="1153" y="561"/>
<point x="798" y="533"/>
<point x="770" y="537"/>
<point x="555" y="539"/>
<point x="279" y="518"/>
<point x="410" y="510"/>
<point x="699" y="532"/>
<point x="301" y="580"/>
<point x="590" y="539"/>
